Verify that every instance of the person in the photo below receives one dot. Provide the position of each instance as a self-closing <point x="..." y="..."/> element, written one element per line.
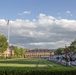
<point x="67" y="56"/>
<point x="67" y="59"/>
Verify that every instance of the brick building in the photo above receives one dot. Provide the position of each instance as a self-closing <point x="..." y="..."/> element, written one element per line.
<point x="8" y="52"/>
<point x="43" y="53"/>
<point x="39" y="53"/>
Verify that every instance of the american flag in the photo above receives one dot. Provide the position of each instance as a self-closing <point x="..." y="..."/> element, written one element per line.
<point x="8" y="22"/>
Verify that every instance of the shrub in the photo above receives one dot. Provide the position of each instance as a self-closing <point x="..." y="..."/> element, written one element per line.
<point x="2" y="57"/>
<point x="13" y="57"/>
<point x="36" y="71"/>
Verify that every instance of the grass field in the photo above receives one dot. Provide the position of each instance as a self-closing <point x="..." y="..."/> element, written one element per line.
<point x="34" y="66"/>
<point x="28" y="62"/>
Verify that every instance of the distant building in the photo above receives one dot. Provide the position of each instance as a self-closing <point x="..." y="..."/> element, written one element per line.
<point x="36" y="53"/>
<point x="5" y="53"/>
<point x="8" y="52"/>
<point x="44" y="53"/>
<point x="12" y="50"/>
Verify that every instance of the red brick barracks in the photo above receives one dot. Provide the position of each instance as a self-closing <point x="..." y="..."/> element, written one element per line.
<point x="39" y="53"/>
<point x="30" y="53"/>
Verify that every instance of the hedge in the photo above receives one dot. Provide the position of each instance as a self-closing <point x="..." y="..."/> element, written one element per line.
<point x="37" y="71"/>
<point x="2" y="57"/>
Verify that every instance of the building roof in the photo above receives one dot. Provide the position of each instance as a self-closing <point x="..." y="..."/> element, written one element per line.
<point x="11" y="47"/>
<point x="40" y="50"/>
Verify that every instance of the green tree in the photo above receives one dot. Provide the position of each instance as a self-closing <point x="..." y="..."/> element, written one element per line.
<point x="3" y="43"/>
<point x="22" y="52"/>
<point x="59" y="51"/>
<point x="72" y="46"/>
<point x="16" y="50"/>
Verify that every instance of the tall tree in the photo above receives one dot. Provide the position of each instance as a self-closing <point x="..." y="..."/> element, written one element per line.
<point x="72" y="46"/>
<point x="22" y="52"/>
<point x="3" y="43"/>
<point x="16" y="50"/>
<point x="59" y="51"/>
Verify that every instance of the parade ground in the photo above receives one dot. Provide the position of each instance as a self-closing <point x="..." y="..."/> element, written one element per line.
<point x="28" y="62"/>
<point x="34" y="66"/>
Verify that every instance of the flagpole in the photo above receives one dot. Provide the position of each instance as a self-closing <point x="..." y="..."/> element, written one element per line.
<point x="8" y="33"/>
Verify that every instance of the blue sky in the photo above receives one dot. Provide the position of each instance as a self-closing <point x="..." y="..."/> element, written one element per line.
<point x="9" y="9"/>
<point x="39" y="23"/>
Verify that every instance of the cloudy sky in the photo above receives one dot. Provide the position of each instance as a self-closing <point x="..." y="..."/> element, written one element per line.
<point x="39" y="23"/>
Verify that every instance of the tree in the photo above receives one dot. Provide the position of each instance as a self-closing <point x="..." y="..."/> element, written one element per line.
<point x="59" y="51"/>
<point x="3" y="43"/>
<point x="16" y="50"/>
<point x="72" y="46"/>
<point x="22" y="52"/>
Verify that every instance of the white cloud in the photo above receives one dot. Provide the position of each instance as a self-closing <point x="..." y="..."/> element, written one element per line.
<point x="24" y="13"/>
<point x="22" y="23"/>
<point x="46" y="20"/>
<point x="64" y="14"/>
<point x="3" y="22"/>
<point x="68" y="12"/>
<point x="68" y="24"/>
<point x="43" y="43"/>
<point x="47" y="32"/>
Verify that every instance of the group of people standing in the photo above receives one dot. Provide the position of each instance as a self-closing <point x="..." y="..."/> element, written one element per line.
<point x="68" y="56"/>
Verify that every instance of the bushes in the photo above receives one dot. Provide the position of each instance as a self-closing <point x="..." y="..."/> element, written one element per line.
<point x="37" y="71"/>
<point x="2" y="57"/>
<point x="10" y="57"/>
<point x="13" y="57"/>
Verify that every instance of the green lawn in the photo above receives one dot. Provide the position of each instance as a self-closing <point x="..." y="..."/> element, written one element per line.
<point x="28" y="62"/>
<point x="34" y="66"/>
